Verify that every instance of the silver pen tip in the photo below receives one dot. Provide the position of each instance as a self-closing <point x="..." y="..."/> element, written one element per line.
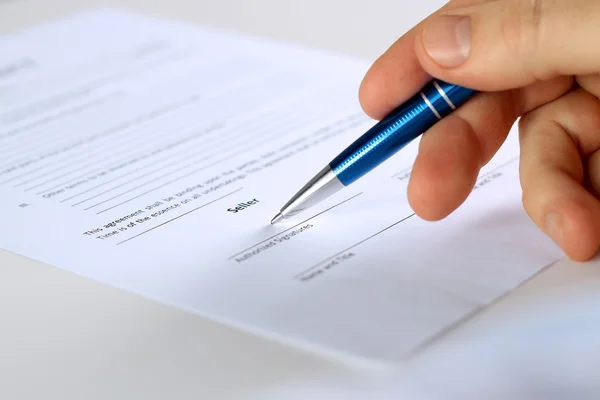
<point x="277" y="218"/>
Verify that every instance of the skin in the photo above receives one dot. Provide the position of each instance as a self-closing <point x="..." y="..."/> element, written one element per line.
<point x="532" y="59"/>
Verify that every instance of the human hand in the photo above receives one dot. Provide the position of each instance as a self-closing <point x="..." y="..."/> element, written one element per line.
<point x="534" y="59"/>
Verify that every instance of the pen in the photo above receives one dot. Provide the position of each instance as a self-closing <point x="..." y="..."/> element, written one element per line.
<point x="404" y="124"/>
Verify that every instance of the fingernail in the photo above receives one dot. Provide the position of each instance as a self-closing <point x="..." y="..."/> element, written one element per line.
<point x="554" y="227"/>
<point x="447" y="40"/>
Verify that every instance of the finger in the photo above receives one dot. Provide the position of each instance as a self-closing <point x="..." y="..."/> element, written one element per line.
<point x="445" y="169"/>
<point x="507" y="44"/>
<point x="452" y="153"/>
<point x="592" y="181"/>
<point x="591" y="83"/>
<point x="554" y="139"/>
<point x="397" y="74"/>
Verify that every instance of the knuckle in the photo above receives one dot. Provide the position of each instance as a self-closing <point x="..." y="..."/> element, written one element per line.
<point x="533" y="198"/>
<point x="527" y="121"/>
<point x="590" y="83"/>
<point x="526" y="200"/>
<point x="530" y="199"/>
<point x="521" y="32"/>
<point x="527" y="170"/>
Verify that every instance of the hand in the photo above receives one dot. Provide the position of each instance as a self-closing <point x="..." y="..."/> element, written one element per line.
<point x="534" y="59"/>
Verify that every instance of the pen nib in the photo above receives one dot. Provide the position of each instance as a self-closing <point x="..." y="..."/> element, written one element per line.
<point x="277" y="218"/>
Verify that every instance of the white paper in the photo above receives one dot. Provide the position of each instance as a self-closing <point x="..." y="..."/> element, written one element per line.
<point x="125" y="140"/>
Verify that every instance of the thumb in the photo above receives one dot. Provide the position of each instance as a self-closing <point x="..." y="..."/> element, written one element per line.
<point x="506" y="44"/>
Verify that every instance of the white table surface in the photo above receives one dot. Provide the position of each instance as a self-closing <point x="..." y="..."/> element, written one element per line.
<point x="66" y="337"/>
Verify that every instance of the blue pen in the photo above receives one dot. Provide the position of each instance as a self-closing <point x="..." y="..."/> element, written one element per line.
<point x="404" y="124"/>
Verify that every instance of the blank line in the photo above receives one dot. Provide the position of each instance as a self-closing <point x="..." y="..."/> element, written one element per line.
<point x="181" y="110"/>
<point x="353" y="246"/>
<point x="111" y="181"/>
<point x="123" y="126"/>
<point x="278" y="135"/>
<point x="67" y="159"/>
<point x="191" y="149"/>
<point x="55" y="147"/>
<point x="144" y="184"/>
<point x="146" y="157"/>
<point x="50" y="133"/>
<point x="306" y="220"/>
<point x="223" y="139"/>
<point x="51" y="124"/>
<point x="138" y="177"/>
<point x="391" y="226"/>
<point x="257" y="122"/>
<point x="20" y="176"/>
<point x="160" y="186"/>
<point x="77" y="165"/>
<point x="84" y="147"/>
<point x="146" y="151"/>
<point x="128" y="140"/>
<point x="146" y="192"/>
<point x="82" y="162"/>
<point x="182" y="215"/>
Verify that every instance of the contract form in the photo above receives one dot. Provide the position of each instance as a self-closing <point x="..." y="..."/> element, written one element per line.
<point x="151" y="155"/>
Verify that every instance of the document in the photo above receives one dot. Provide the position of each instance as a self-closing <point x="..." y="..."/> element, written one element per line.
<point x="151" y="155"/>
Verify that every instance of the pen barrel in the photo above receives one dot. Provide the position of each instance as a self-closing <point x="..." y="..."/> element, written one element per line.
<point x="411" y="119"/>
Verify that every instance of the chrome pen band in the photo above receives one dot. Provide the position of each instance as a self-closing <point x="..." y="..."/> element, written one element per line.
<point x="443" y="94"/>
<point x="400" y="127"/>
<point x="431" y="107"/>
